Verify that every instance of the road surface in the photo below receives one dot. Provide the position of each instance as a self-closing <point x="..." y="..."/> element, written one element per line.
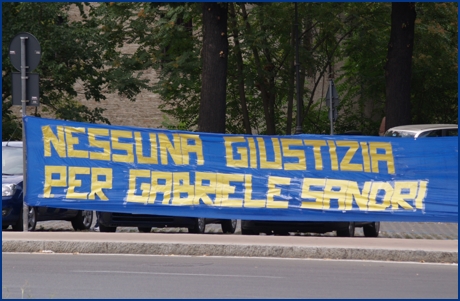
<point x="80" y="276"/>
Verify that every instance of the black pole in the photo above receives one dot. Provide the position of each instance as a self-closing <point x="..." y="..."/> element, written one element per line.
<point x="298" y="129"/>
<point x="25" y="207"/>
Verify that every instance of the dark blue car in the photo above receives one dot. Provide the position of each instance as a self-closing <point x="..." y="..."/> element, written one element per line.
<point x="12" y="199"/>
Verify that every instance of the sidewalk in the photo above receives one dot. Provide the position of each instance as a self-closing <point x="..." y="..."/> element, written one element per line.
<point x="357" y="248"/>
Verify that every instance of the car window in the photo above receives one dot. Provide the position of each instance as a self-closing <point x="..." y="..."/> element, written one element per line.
<point x="422" y="133"/>
<point x="401" y="134"/>
<point x="452" y="132"/>
<point x="434" y="133"/>
<point x="12" y="160"/>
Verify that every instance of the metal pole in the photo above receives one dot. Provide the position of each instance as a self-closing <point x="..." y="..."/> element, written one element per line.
<point x="25" y="208"/>
<point x="330" y="107"/>
<point x="298" y="129"/>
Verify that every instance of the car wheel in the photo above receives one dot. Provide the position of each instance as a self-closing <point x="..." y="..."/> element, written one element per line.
<point x="32" y="219"/>
<point x="144" y="229"/>
<point x="198" y="227"/>
<point x="372" y="230"/>
<point x="348" y="232"/>
<point x="83" y="220"/>
<point x="281" y="233"/>
<point x="229" y="226"/>
<point x="248" y="232"/>
<point x="103" y="228"/>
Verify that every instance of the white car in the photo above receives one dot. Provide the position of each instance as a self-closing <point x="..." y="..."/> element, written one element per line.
<point x="423" y="130"/>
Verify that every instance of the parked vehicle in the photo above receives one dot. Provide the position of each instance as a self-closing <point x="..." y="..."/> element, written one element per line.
<point x="423" y="130"/>
<point x="109" y="221"/>
<point x="12" y="198"/>
<point x="343" y="229"/>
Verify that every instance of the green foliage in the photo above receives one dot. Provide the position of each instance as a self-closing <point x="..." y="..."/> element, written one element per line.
<point x="168" y="36"/>
<point x="361" y="84"/>
<point x="83" y="57"/>
<point x="11" y="126"/>
<point x="434" y="68"/>
<point x="77" y="59"/>
<point x="435" y="64"/>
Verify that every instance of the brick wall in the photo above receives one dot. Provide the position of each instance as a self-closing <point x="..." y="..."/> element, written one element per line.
<point x="143" y="112"/>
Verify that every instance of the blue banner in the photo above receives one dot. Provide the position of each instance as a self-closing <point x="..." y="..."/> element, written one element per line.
<point x="253" y="177"/>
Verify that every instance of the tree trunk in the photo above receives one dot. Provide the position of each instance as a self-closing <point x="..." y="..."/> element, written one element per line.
<point x="290" y="94"/>
<point x="263" y="84"/>
<point x="239" y="71"/>
<point x="398" y="69"/>
<point x="214" y="73"/>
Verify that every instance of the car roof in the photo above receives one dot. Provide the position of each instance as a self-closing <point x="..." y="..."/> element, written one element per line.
<point x="423" y="127"/>
<point x="12" y="143"/>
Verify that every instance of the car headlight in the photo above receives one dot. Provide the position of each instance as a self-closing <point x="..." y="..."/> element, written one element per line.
<point x="8" y="189"/>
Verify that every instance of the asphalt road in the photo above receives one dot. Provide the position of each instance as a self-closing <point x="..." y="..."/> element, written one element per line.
<point x="59" y="276"/>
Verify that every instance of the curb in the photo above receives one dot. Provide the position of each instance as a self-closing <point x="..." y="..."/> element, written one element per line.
<point x="229" y="249"/>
